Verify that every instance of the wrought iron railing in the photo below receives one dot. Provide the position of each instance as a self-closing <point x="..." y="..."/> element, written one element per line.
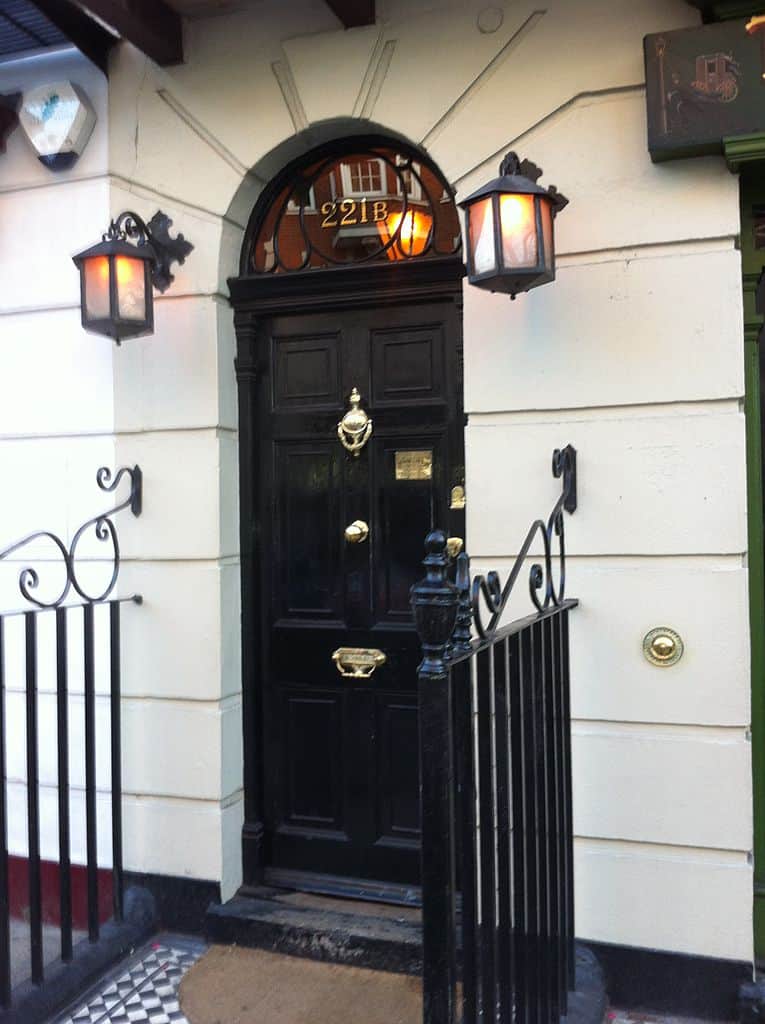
<point x="496" y="802"/>
<point x="19" y="671"/>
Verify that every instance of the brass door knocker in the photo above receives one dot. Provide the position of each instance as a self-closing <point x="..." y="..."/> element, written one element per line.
<point x="355" y="428"/>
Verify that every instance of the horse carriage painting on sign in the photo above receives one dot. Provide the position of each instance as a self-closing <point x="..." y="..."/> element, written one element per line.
<point x="702" y="85"/>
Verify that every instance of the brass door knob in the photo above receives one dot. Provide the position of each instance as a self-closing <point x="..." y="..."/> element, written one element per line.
<point x="357" y="532"/>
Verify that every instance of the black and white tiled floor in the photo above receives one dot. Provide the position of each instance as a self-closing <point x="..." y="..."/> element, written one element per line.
<point x="142" y="989"/>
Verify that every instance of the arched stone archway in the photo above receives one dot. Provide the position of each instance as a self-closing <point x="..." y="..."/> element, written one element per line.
<point x="272" y="164"/>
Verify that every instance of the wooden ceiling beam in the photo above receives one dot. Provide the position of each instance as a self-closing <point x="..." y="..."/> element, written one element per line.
<point x="151" y="25"/>
<point x="79" y="27"/>
<point x="95" y="25"/>
<point x="353" y="13"/>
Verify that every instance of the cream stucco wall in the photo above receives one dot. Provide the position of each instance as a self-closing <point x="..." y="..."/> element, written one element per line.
<point x="634" y="355"/>
<point x="56" y="422"/>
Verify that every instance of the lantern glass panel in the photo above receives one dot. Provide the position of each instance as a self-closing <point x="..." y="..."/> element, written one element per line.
<point x="519" y="231"/>
<point x="481" y="236"/>
<point x="547" y="233"/>
<point x="131" y="288"/>
<point x="96" y="276"/>
<point x="412" y="231"/>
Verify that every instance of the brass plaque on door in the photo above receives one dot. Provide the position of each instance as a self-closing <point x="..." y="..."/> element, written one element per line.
<point x="414" y="465"/>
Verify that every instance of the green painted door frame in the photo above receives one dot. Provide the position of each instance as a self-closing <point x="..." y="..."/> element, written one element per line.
<point x="752" y="195"/>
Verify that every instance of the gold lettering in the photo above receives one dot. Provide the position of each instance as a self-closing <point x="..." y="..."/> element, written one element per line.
<point x="348" y="210"/>
<point x="329" y="209"/>
<point x="364" y="218"/>
<point x="379" y="210"/>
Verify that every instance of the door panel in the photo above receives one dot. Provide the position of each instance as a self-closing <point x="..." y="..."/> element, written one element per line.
<point x="306" y="371"/>
<point x="313" y="723"/>
<point x="403" y="497"/>
<point x="408" y="364"/>
<point x="341" y="753"/>
<point x="307" y="480"/>
<point x="398" y="805"/>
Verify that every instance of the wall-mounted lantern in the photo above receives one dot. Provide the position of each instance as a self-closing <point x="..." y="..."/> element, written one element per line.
<point x="509" y="228"/>
<point x="116" y="276"/>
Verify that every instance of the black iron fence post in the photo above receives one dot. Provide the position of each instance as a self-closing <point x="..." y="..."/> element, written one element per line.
<point x="495" y="768"/>
<point x="434" y="602"/>
<point x="26" y="671"/>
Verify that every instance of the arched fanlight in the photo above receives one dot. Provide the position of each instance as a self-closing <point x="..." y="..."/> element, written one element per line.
<point x="118" y="274"/>
<point x="509" y="228"/>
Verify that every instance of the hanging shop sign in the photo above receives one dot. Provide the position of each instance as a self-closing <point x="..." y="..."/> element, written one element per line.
<point x="704" y="85"/>
<point x="58" y="120"/>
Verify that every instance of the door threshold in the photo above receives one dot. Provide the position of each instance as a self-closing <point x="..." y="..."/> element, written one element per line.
<point x="341" y="887"/>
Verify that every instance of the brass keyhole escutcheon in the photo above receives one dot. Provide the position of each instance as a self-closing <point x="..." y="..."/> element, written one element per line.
<point x="458" y="498"/>
<point x="357" y="532"/>
<point x="663" y="646"/>
<point x="454" y="546"/>
<point x="355" y="428"/>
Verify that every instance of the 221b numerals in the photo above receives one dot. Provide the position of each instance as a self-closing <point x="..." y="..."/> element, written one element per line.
<point x="345" y="212"/>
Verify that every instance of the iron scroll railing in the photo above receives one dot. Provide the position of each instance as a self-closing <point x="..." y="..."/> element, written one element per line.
<point x="20" y="673"/>
<point x="496" y="800"/>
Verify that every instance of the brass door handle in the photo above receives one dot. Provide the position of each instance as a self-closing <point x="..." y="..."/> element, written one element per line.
<point x="357" y="662"/>
<point x="357" y="532"/>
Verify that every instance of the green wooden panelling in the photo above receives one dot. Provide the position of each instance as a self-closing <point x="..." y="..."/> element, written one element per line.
<point x="744" y="149"/>
<point x="752" y="259"/>
<point x="723" y="10"/>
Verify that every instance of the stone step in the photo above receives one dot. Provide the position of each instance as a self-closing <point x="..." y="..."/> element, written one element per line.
<point x="360" y="934"/>
<point x="339" y="931"/>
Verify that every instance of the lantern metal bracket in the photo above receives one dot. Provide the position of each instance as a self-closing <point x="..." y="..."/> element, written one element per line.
<point x="512" y="164"/>
<point x="156" y="236"/>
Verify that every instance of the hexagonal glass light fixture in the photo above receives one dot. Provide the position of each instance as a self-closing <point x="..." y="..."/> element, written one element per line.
<point x="509" y="229"/>
<point x="117" y="275"/>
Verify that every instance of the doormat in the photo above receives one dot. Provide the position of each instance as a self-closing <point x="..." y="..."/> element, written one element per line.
<point x="142" y="989"/>
<point x="232" y="985"/>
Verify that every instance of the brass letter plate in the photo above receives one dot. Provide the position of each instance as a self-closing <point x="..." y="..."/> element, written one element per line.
<point x="358" y="662"/>
<point x="414" y="465"/>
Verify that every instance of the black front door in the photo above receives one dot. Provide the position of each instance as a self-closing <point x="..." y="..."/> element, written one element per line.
<point x="340" y="766"/>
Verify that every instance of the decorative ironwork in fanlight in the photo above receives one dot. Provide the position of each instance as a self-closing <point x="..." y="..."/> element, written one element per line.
<point x="544" y="590"/>
<point x="103" y="529"/>
<point x="370" y="204"/>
